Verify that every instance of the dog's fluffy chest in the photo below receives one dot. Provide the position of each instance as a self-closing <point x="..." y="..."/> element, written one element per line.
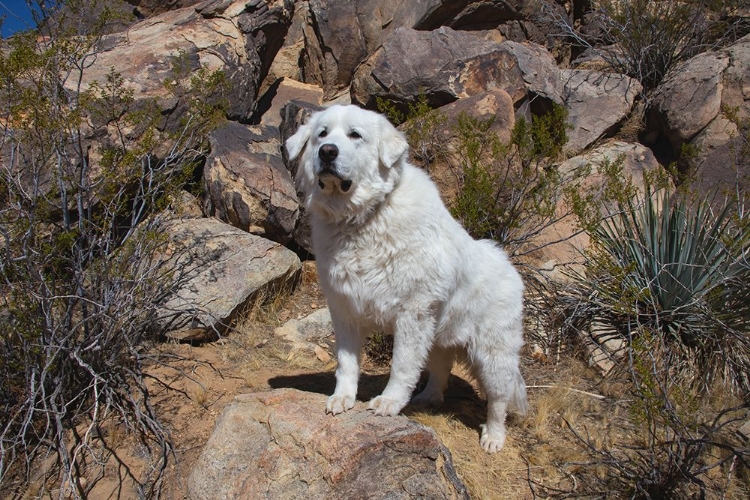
<point x="370" y="277"/>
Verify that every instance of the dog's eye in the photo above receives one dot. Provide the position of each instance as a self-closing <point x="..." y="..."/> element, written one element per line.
<point x="322" y="133"/>
<point x="354" y="135"/>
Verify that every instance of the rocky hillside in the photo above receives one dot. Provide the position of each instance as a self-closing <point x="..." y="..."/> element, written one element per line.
<point x="245" y="233"/>
<point x="503" y="60"/>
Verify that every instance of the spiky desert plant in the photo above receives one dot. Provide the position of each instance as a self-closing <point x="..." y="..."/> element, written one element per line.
<point x="679" y="269"/>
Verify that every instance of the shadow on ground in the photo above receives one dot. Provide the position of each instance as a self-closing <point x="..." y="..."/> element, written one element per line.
<point x="461" y="399"/>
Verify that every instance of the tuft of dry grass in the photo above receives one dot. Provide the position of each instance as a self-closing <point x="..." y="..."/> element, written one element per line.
<point x="500" y="475"/>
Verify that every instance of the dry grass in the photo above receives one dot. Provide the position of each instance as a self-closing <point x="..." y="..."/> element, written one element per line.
<point x="486" y="476"/>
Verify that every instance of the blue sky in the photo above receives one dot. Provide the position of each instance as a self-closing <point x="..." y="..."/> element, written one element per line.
<point x="17" y="16"/>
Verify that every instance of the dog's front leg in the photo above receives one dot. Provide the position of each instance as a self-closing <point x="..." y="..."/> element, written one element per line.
<point x="349" y="342"/>
<point x="412" y="340"/>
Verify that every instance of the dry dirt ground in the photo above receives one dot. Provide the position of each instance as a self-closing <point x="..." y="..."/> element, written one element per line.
<point x="251" y="358"/>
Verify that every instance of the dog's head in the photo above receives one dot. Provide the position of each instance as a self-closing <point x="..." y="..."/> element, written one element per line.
<point x="350" y="159"/>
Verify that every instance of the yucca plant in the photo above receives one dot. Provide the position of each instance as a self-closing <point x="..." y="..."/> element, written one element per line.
<point x="679" y="270"/>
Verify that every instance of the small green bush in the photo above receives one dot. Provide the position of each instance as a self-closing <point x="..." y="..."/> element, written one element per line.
<point x="510" y="192"/>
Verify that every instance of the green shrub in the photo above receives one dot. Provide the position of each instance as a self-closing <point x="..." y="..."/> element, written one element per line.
<point x="510" y="192"/>
<point x="677" y="269"/>
<point x="668" y="277"/>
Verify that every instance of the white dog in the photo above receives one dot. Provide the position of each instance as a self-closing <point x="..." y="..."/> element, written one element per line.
<point x="391" y="257"/>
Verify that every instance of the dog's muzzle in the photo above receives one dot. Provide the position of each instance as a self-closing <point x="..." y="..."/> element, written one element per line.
<point x="328" y="154"/>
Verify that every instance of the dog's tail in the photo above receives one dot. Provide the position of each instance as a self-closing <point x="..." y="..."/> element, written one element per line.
<point x="518" y="398"/>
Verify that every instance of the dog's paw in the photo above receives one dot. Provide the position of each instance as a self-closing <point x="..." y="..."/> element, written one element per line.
<point x="385" y="406"/>
<point x="491" y="442"/>
<point x="339" y="404"/>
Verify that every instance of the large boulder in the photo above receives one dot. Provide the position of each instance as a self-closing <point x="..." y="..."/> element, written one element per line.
<point x="446" y="65"/>
<point x="238" y="38"/>
<point x="281" y="444"/>
<point x="597" y="104"/>
<point x="700" y="104"/>
<point x="339" y="34"/>
<point x="247" y="184"/>
<point x="690" y="98"/>
<point x="217" y="270"/>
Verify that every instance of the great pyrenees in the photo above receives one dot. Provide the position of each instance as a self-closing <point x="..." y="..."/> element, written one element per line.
<point x="391" y="257"/>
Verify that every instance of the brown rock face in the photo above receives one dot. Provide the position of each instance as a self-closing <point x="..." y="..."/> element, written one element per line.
<point x="247" y="183"/>
<point x="446" y="65"/>
<point x="597" y="103"/>
<point x="238" y="38"/>
<point x="281" y="444"/>
<point x="147" y="8"/>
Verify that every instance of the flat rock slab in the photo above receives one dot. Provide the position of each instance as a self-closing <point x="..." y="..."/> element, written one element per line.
<point x="597" y="104"/>
<point x="281" y="444"/>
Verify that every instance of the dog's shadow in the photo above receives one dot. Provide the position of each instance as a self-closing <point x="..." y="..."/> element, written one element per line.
<point x="461" y="400"/>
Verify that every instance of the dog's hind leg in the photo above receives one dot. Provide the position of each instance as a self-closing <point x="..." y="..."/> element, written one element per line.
<point x="439" y="367"/>
<point x="502" y="383"/>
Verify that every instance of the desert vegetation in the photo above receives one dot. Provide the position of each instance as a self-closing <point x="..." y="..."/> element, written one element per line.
<point x="81" y="239"/>
<point x="89" y="174"/>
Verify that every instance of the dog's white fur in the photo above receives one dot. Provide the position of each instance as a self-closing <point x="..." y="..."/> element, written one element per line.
<point x="391" y="257"/>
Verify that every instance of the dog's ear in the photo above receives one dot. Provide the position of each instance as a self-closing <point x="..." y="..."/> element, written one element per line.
<point x="393" y="145"/>
<point x="296" y="143"/>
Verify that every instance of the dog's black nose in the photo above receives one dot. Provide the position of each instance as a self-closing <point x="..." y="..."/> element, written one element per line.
<point x="328" y="152"/>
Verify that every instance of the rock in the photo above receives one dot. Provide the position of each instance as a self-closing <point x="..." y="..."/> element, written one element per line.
<point x="495" y="105"/>
<point x="286" y="64"/>
<point x="441" y="148"/>
<point x="605" y="347"/>
<point x="597" y="104"/>
<point x="239" y="39"/>
<point x="736" y="83"/>
<point x="694" y="105"/>
<point x="473" y="15"/>
<point x="687" y="101"/>
<point x="340" y="34"/>
<point x="148" y="8"/>
<point x="308" y="332"/>
<point x="744" y="431"/>
<point x="247" y="184"/>
<point x="281" y="444"/>
<point x="718" y="144"/>
<point x="284" y="91"/>
<point x="446" y="65"/>
<point x="185" y="206"/>
<point x="217" y="270"/>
